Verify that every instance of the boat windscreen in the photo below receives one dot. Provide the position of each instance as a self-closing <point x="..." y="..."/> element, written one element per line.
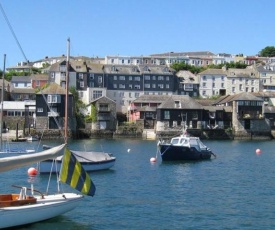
<point x="175" y="141"/>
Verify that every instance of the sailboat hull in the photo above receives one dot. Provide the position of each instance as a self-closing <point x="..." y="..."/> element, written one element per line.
<point x="48" y="207"/>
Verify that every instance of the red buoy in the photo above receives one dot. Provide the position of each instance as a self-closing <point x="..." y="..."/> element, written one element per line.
<point x="258" y="151"/>
<point x="32" y="171"/>
<point x="153" y="159"/>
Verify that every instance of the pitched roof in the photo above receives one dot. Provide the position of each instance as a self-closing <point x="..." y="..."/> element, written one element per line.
<point x="53" y="88"/>
<point x="185" y="102"/>
<point x="151" y="98"/>
<point x="213" y="72"/>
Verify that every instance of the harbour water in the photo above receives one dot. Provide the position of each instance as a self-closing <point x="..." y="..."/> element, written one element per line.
<point x="233" y="191"/>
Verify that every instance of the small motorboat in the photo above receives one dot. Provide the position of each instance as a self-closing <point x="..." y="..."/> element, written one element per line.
<point x="32" y="138"/>
<point x="184" y="147"/>
<point x="90" y="161"/>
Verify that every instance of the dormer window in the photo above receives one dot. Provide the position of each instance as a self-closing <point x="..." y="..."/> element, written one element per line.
<point x="177" y="104"/>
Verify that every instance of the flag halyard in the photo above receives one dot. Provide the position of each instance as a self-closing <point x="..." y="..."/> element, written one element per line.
<point x="73" y="174"/>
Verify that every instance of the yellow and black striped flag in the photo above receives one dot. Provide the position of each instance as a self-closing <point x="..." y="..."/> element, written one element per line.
<point x="73" y="174"/>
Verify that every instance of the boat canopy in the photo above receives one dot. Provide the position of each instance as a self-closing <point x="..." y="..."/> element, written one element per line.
<point x="8" y="163"/>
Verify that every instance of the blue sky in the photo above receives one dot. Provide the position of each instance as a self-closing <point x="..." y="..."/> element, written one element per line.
<point x="134" y="27"/>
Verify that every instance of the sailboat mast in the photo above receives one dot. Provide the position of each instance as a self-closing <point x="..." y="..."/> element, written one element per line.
<point x="2" y="100"/>
<point x="67" y="91"/>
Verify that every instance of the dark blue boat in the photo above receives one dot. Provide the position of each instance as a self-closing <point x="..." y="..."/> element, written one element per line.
<point x="184" y="148"/>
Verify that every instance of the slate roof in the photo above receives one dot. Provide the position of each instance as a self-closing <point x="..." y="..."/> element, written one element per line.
<point x="39" y="77"/>
<point x="150" y="98"/>
<point x="185" y="101"/>
<point x="195" y="53"/>
<point x="21" y="79"/>
<point x="213" y="72"/>
<point x="238" y="97"/>
<point x="122" y="69"/>
<point x="95" y="67"/>
<point x="23" y="90"/>
<point x="53" y="88"/>
<point x="187" y="77"/>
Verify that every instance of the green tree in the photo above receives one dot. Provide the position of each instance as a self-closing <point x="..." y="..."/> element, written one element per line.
<point x="268" y="51"/>
<point x="78" y="106"/>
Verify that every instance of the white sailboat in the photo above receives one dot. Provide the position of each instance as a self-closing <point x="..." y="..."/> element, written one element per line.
<point x="19" y="209"/>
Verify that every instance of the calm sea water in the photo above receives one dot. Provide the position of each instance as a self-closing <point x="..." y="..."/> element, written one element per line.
<point x="234" y="191"/>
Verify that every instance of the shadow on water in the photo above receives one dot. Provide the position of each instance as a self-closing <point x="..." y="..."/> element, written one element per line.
<point x="60" y="222"/>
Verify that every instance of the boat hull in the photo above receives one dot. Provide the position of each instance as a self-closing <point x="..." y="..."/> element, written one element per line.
<point x="49" y="207"/>
<point x="170" y="152"/>
<point x="51" y="166"/>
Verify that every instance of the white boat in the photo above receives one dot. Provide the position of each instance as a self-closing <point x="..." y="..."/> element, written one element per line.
<point x="90" y="161"/>
<point x="22" y="208"/>
<point x="32" y="138"/>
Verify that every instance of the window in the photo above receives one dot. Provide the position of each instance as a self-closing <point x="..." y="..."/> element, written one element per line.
<point x="37" y="82"/>
<point x="160" y="86"/>
<point x="153" y="86"/>
<point x="233" y="81"/>
<point x="146" y="77"/>
<point x="80" y="94"/>
<point x="130" y="78"/>
<point x="92" y="76"/>
<point x="63" y="68"/>
<point x="137" y="78"/>
<point x="137" y="86"/>
<point x="153" y="77"/>
<point x="147" y="86"/>
<point x="53" y="99"/>
<point x="136" y="95"/>
<point x="122" y="86"/>
<point x="222" y="85"/>
<point x="81" y="76"/>
<point x="115" y="77"/>
<point x="99" y="79"/>
<point x="167" y="115"/>
<point x="122" y="78"/>
<point x="40" y="110"/>
<point x="233" y="89"/>
<point x="204" y="78"/>
<point x="160" y="78"/>
<point x="130" y="86"/>
<point x="52" y="75"/>
<point x="115" y="86"/>
<point x="241" y="87"/>
<point x="167" y="86"/>
<point x="167" y="78"/>
<point x="97" y="94"/>
<point x="213" y="85"/>
<point x="204" y="92"/>
<point x="81" y="84"/>
<point x="204" y="84"/>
